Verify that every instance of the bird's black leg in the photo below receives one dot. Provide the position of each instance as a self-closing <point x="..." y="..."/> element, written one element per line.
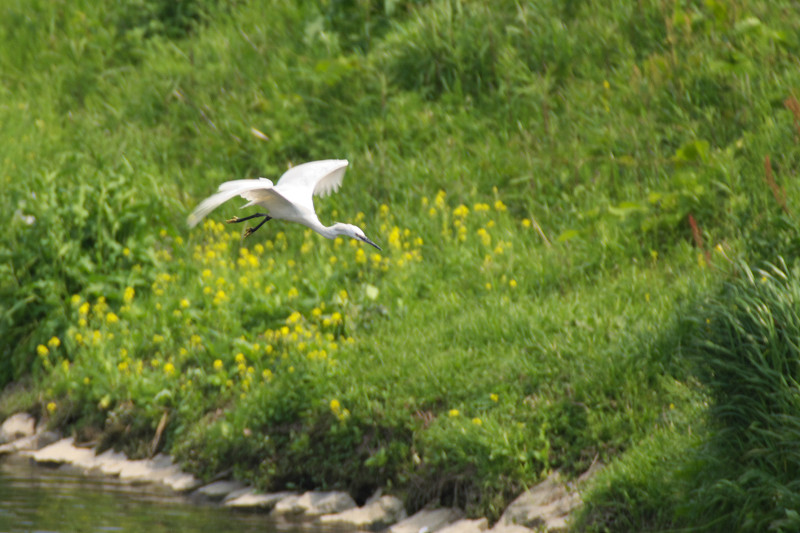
<point x="236" y="219"/>
<point x="250" y="231"/>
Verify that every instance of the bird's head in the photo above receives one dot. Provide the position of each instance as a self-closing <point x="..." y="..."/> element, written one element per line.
<point x="354" y="232"/>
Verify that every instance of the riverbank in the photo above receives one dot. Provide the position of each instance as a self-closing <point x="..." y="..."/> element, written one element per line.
<point x="545" y="507"/>
<point x="558" y="189"/>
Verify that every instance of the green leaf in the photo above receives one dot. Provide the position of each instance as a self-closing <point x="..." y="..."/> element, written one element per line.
<point x="567" y="235"/>
<point x="692" y="152"/>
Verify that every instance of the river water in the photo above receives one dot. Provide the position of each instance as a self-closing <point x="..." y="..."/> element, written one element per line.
<point x="38" y="499"/>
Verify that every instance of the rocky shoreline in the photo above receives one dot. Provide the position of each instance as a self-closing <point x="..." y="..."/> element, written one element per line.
<point x="545" y="507"/>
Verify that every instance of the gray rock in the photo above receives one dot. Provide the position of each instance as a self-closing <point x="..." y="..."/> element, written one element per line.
<point x="429" y="520"/>
<point x="219" y="489"/>
<point x="326" y="503"/>
<point x="511" y="528"/>
<point x="34" y="442"/>
<point x="544" y="506"/>
<point x="466" y="526"/>
<point x="63" y="451"/>
<point x="17" y="426"/>
<point x="381" y="513"/>
<point x="153" y="470"/>
<point x="313" y="503"/>
<point x="232" y="495"/>
<point x="288" y="505"/>
<point x="181" y="482"/>
<point x="159" y="469"/>
<point x="251" y="500"/>
<point x="558" y="524"/>
<point x="110" y="463"/>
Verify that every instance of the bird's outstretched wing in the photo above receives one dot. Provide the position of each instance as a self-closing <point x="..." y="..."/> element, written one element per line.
<point x="316" y="178"/>
<point x="226" y="191"/>
<point x="290" y="199"/>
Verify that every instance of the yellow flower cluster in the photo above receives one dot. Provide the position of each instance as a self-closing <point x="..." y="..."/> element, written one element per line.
<point x="336" y="409"/>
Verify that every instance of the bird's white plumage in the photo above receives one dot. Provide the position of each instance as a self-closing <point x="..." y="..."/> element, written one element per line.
<point x="292" y="198"/>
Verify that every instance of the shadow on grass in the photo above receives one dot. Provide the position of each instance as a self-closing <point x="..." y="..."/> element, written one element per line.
<point x="731" y="463"/>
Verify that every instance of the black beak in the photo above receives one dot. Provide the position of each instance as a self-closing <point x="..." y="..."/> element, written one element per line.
<point x="366" y="240"/>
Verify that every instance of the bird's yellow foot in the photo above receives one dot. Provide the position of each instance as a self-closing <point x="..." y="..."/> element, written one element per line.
<point x="248" y="232"/>
<point x="232" y="220"/>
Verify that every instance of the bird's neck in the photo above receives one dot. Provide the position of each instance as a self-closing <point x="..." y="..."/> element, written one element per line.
<point x="326" y="231"/>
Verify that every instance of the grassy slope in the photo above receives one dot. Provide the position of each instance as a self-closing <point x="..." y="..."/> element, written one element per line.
<point x="604" y="126"/>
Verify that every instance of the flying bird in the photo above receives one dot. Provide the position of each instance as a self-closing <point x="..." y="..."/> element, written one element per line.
<point x="292" y="198"/>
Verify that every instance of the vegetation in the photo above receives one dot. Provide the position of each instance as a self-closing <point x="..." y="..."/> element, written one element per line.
<point x="567" y="195"/>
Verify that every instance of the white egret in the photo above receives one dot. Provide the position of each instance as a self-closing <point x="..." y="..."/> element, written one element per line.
<point x="292" y="198"/>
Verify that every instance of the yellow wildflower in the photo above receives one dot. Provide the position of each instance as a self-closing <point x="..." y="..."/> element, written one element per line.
<point x="111" y="318"/>
<point x="51" y="407"/>
<point x="461" y="211"/>
<point x="128" y="295"/>
<point x="169" y="369"/>
<point x="220" y="297"/>
<point x="239" y="358"/>
<point x="42" y="350"/>
<point x="477" y="421"/>
<point x="494" y="397"/>
<point x="486" y="239"/>
<point x="218" y="364"/>
<point x="84" y="308"/>
<point x="361" y="257"/>
<point x="335" y="406"/>
<point x="453" y="412"/>
<point x="184" y="303"/>
<point x="54" y="342"/>
<point x="439" y="200"/>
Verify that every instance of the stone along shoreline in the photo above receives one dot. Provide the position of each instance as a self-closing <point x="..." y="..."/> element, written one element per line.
<point x="545" y="507"/>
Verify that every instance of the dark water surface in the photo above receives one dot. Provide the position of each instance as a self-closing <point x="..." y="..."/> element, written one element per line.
<point x="38" y="499"/>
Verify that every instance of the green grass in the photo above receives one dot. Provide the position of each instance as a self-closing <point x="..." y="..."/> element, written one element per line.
<point x="528" y="168"/>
